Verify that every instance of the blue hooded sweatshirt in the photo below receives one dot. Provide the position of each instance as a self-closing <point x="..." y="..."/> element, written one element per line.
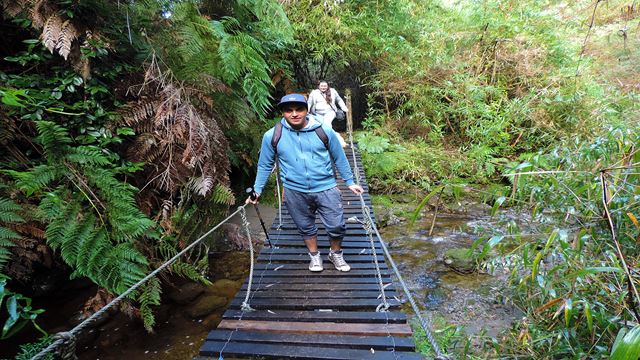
<point x="305" y="163"/>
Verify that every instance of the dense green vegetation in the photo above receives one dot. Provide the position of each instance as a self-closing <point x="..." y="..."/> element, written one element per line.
<point x="127" y="128"/>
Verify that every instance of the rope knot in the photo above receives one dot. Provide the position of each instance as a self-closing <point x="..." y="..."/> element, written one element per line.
<point x="67" y="348"/>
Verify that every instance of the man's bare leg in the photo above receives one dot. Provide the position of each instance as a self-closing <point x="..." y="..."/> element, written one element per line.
<point x="336" y="245"/>
<point x="312" y="244"/>
<point x="316" y="261"/>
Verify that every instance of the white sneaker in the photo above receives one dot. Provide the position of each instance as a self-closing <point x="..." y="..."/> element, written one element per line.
<point x="316" y="262"/>
<point x="338" y="261"/>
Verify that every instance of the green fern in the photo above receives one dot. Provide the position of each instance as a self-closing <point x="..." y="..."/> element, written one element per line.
<point x="189" y="271"/>
<point x="8" y="214"/>
<point x="223" y="195"/>
<point x="149" y="296"/>
<point x="54" y="139"/>
<point x="36" y="179"/>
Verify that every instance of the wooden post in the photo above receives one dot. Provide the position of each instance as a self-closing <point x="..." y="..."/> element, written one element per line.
<point x="347" y="94"/>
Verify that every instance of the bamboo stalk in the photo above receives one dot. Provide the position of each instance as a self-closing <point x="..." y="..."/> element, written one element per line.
<point x="607" y="214"/>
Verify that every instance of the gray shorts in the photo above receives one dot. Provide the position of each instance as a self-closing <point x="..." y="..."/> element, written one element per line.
<point x="303" y="207"/>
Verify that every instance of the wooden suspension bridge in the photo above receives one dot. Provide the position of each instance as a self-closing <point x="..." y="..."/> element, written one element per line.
<point x="326" y="315"/>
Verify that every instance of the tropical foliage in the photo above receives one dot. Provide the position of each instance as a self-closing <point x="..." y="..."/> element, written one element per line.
<point x="127" y="128"/>
<point x="117" y="142"/>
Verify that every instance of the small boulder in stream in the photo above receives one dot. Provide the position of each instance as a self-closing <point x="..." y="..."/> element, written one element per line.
<point x="186" y="293"/>
<point x="460" y="260"/>
<point x="205" y="305"/>
<point x="224" y="287"/>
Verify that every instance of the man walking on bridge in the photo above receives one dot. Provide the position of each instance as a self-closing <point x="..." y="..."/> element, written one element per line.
<point x="304" y="149"/>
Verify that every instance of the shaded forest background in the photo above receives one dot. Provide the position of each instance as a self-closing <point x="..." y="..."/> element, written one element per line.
<point x="129" y="128"/>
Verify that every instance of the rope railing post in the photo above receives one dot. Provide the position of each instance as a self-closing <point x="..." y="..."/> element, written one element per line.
<point x="69" y="336"/>
<point x="424" y="323"/>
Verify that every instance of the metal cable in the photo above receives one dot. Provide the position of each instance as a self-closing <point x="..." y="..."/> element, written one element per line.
<point x="426" y="326"/>
<point x="67" y="336"/>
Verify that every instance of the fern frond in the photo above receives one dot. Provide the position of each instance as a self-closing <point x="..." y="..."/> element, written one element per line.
<point x="6" y="235"/>
<point x="223" y="195"/>
<point x="12" y="7"/>
<point x="8" y="214"/>
<point x="51" y="32"/>
<point x="8" y="211"/>
<point x="35" y="13"/>
<point x="36" y="179"/>
<point x="188" y="271"/>
<point x="135" y="114"/>
<point x="68" y="33"/>
<point x="149" y="296"/>
<point x="54" y="139"/>
<point x="88" y="155"/>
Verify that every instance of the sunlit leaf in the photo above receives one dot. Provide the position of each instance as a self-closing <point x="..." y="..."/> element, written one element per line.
<point x="627" y="344"/>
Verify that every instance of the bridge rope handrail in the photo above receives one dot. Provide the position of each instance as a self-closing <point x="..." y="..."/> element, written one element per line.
<point x="69" y="336"/>
<point x="424" y="322"/>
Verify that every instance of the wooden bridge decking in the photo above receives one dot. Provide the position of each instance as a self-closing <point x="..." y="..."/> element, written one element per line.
<point x="304" y="315"/>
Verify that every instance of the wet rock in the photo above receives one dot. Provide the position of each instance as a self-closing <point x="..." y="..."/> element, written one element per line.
<point x="113" y="332"/>
<point x="162" y="313"/>
<point x="206" y="305"/>
<point x="387" y="217"/>
<point x="236" y="236"/>
<point x="186" y="293"/>
<point x="81" y="316"/>
<point x="225" y="287"/>
<point x="460" y="260"/>
<point x="212" y="321"/>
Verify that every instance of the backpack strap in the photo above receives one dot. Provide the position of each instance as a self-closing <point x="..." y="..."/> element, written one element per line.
<point x="323" y="136"/>
<point x="277" y="134"/>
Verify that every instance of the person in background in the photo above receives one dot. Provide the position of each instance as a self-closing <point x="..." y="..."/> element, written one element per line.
<point x="324" y="102"/>
<point x="307" y="175"/>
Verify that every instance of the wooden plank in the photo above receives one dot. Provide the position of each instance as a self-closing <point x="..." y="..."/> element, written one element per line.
<point x="342" y="341"/>
<point x="364" y="250"/>
<point x="324" y="244"/>
<point x="317" y="327"/>
<point x="298" y="266"/>
<point x="322" y="236"/>
<point x="305" y="258"/>
<point x="319" y="280"/>
<point x="289" y="230"/>
<point x="391" y="317"/>
<point x="279" y="294"/>
<point x="271" y="351"/>
<point x="288" y="227"/>
<point x="313" y="304"/>
<point x="347" y="208"/>
<point x="329" y="271"/>
<point x="315" y="286"/>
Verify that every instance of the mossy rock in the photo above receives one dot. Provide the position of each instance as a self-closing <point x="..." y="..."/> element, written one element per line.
<point x="206" y="305"/>
<point x="224" y="287"/>
<point x="186" y="293"/>
<point x="460" y="260"/>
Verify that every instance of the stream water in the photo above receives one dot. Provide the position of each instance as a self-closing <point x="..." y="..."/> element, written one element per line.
<point x="189" y="313"/>
<point x="471" y="300"/>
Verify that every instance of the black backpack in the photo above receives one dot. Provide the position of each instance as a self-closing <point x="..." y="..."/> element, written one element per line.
<point x="277" y="133"/>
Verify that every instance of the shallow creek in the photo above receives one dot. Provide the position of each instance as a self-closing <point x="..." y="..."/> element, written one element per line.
<point x="472" y="300"/>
